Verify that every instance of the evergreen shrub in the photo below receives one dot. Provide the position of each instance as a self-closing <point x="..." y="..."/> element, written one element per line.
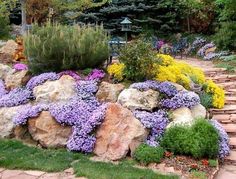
<point x="57" y="47"/>
<point x="200" y="140"/>
<point x="146" y="154"/>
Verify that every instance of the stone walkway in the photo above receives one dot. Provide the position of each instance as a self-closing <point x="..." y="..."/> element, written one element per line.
<point x="227" y="115"/>
<point x="30" y="174"/>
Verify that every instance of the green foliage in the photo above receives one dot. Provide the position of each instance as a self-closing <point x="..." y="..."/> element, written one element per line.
<point x="87" y="71"/>
<point x="206" y="100"/>
<point x="57" y="47"/>
<point x="5" y="28"/>
<point x="138" y="58"/>
<point x="123" y="170"/>
<point x="225" y="38"/>
<point x="15" y="155"/>
<point x="212" y="163"/>
<point x="199" y="140"/>
<point x="198" y="175"/>
<point x="146" y="154"/>
<point x="227" y="66"/>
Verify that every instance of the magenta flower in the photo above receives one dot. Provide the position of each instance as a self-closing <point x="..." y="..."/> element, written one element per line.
<point x="20" y="66"/>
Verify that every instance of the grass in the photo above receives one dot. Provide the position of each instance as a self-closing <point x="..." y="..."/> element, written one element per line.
<point x="123" y="170"/>
<point x="15" y="155"/>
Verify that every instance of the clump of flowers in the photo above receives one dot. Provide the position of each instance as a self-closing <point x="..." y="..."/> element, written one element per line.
<point x="86" y="89"/>
<point x="17" y="96"/>
<point x="218" y="94"/>
<point x="117" y="71"/>
<point x="164" y="87"/>
<point x="198" y="42"/>
<point x="202" y="51"/>
<point x="20" y="66"/>
<point x="3" y="90"/>
<point x="40" y="79"/>
<point x="182" y="99"/>
<point x="165" y="59"/>
<point x="177" y="72"/>
<point x="28" y="111"/>
<point x="156" y="121"/>
<point x="95" y="74"/>
<point x="71" y="73"/>
<point x="224" y="149"/>
<point x="214" y="55"/>
<point x="82" y="138"/>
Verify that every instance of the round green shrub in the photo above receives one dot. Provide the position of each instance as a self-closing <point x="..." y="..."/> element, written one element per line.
<point x="146" y="154"/>
<point x="200" y="140"/>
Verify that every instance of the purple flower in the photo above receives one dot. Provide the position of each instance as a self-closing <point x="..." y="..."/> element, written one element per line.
<point x="40" y="79"/>
<point x="3" y="90"/>
<point x="182" y="99"/>
<point x="213" y="55"/>
<point x="166" y="87"/>
<point x="156" y="121"/>
<point x="198" y="42"/>
<point x="71" y="73"/>
<point x="201" y="52"/>
<point x="224" y="149"/>
<point x="20" y="66"/>
<point x="96" y="75"/>
<point x="17" y="96"/>
<point x="28" y="111"/>
<point x="86" y="89"/>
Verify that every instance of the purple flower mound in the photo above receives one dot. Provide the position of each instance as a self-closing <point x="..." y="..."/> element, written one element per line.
<point x="86" y="89"/>
<point x="78" y="114"/>
<point x="182" y="99"/>
<point x="16" y="97"/>
<point x="82" y="138"/>
<point x="20" y="66"/>
<point x="201" y="52"/>
<point x="71" y="73"/>
<point x="198" y="43"/>
<point x="156" y="121"/>
<point x="40" y="79"/>
<point x="27" y="112"/>
<point x="3" y="90"/>
<point x="224" y="149"/>
<point x="96" y="75"/>
<point x="165" y="87"/>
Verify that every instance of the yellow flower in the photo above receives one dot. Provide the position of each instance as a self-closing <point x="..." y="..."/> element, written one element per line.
<point x="217" y="92"/>
<point x="116" y="70"/>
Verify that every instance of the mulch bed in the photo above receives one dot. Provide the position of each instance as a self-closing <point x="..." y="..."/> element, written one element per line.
<point x="187" y="164"/>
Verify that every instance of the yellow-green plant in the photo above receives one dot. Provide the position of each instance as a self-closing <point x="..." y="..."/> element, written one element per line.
<point x="57" y="47"/>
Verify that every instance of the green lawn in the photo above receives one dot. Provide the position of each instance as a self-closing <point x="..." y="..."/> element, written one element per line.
<point x="15" y="155"/>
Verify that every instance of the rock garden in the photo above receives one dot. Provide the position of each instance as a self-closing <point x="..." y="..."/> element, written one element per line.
<point x="70" y="108"/>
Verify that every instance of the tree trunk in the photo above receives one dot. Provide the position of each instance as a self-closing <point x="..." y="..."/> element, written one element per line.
<point x="23" y="16"/>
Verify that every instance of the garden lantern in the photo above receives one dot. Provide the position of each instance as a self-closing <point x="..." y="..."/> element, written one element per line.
<point x="126" y="26"/>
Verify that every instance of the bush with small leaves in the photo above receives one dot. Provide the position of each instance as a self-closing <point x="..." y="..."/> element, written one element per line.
<point x="199" y="140"/>
<point x="146" y="154"/>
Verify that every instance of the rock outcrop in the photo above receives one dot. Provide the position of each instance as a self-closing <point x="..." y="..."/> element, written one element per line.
<point x="135" y="99"/>
<point x="119" y="133"/>
<point x="48" y="132"/>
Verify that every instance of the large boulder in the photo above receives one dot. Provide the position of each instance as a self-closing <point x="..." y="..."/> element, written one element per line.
<point x="54" y="91"/>
<point x="108" y="92"/>
<point x="5" y="70"/>
<point x="6" y="123"/>
<point x="119" y="133"/>
<point x="199" y="111"/>
<point x="17" y="79"/>
<point x="181" y="116"/>
<point x="7" y="51"/>
<point x="135" y="99"/>
<point x="48" y="132"/>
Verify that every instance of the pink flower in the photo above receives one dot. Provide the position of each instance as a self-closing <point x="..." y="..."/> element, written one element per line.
<point x="20" y="66"/>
